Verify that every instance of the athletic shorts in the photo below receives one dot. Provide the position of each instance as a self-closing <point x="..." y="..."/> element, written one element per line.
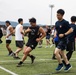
<point x="8" y="41"/>
<point x="19" y="44"/>
<point x="32" y="45"/>
<point x="70" y="46"/>
<point x="48" y="37"/>
<point x="62" y="44"/>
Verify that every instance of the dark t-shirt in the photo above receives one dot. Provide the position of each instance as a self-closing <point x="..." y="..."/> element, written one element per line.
<point x="48" y="32"/>
<point x="34" y="34"/>
<point x="71" y="36"/>
<point x="62" y="27"/>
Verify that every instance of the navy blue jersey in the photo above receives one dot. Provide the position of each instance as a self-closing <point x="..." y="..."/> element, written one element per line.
<point x="62" y="27"/>
<point x="71" y="36"/>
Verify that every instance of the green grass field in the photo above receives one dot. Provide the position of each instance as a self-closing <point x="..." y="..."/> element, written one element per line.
<point x="43" y="64"/>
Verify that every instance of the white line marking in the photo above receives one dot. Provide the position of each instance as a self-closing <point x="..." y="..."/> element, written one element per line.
<point x="29" y="60"/>
<point x="10" y="72"/>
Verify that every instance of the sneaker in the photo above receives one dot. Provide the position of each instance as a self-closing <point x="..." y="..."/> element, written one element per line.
<point x="1" y="41"/>
<point x="46" y="46"/>
<point x="19" y="64"/>
<point x="10" y="53"/>
<point x="39" y="46"/>
<point x="60" y="67"/>
<point x="68" y="67"/>
<point x="53" y="58"/>
<point x="32" y="59"/>
<point x="16" y="57"/>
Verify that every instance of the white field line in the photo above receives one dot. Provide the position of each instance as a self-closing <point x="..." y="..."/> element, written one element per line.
<point x="12" y="73"/>
<point x="8" y="71"/>
<point x="29" y="60"/>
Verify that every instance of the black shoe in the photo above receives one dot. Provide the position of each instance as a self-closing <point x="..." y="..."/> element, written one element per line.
<point x="1" y="41"/>
<point x="32" y="59"/>
<point x="59" y="68"/>
<point x="10" y="53"/>
<point x="53" y="58"/>
<point x="67" y="68"/>
<point x="16" y="57"/>
<point x="20" y="64"/>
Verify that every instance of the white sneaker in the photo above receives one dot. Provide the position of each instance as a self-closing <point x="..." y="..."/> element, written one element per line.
<point x="46" y="47"/>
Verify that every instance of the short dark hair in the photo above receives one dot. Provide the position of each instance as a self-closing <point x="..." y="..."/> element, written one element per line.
<point x="73" y="18"/>
<point x="33" y="20"/>
<point x="61" y="11"/>
<point x="19" y="20"/>
<point x="8" y="22"/>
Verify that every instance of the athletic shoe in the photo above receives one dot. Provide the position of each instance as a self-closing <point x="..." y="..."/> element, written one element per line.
<point x="19" y="64"/>
<point x="53" y="58"/>
<point x="60" y="67"/>
<point x="32" y="59"/>
<point x="10" y="53"/>
<point x="68" y="67"/>
<point x="1" y="41"/>
<point x="46" y="46"/>
<point x="40" y="46"/>
<point x="16" y="57"/>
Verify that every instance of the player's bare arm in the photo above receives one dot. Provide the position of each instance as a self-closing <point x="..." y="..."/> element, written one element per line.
<point x="21" y="30"/>
<point x="41" y="30"/>
<point x="11" y="31"/>
<point x="27" y="31"/>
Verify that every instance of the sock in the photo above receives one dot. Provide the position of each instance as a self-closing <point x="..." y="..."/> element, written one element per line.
<point x="20" y="62"/>
<point x="64" y="62"/>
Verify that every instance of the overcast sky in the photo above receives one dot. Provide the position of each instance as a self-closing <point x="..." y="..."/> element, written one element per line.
<point x="14" y="9"/>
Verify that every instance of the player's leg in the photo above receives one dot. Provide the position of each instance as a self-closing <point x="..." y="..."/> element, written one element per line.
<point x="56" y="43"/>
<point x="67" y="66"/>
<point x="26" y="52"/>
<point x="32" y="58"/>
<point x="8" y="47"/>
<point x="60" y="64"/>
<point x="46" y="43"/>
<point x="40" y="44"/>
<point x="70" y="48"/>
<point x="17" y="52"/>
<point x="19" y="45"/>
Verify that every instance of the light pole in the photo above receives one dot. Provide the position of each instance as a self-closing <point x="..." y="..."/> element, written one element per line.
<point x="51" y="6"/>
